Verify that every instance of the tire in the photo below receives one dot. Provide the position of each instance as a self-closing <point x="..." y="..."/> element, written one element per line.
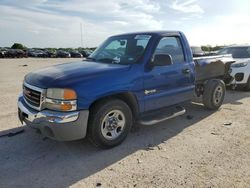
<point x="214" y="93"/>
<point x="109" y="124"/>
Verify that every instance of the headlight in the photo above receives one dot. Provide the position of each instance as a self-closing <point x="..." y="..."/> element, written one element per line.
<point x="237" y="65"/>
<point x="62" y="94"/>
<point x="61" y="99"/>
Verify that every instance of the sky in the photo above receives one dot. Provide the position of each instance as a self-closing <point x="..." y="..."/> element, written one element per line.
<point x="57" y="23"/>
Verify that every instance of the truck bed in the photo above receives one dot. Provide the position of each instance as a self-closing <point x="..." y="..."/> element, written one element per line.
<point x="217" y="66"/>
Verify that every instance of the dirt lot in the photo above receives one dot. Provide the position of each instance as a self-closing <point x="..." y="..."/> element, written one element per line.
<point x="182" y="152"/>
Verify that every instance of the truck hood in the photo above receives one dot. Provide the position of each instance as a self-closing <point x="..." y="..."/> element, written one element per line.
<point x="63" y="75"/>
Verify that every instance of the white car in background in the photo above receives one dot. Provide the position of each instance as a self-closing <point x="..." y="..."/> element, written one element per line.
<point x="241" y="67"/>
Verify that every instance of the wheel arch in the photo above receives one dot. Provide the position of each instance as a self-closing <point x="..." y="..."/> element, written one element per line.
<point x="128" y="97"/>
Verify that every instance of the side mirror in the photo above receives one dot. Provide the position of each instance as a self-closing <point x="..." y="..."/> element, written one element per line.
<point x="162" y="60"/>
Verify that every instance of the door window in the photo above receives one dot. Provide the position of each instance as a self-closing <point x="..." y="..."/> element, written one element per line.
<point x="171" y="46"/>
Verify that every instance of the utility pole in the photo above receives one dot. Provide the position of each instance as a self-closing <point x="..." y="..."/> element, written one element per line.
<point x="81" y="35"/>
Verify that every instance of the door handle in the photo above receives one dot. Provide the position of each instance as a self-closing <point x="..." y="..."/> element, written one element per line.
<point x="185" y="71"/>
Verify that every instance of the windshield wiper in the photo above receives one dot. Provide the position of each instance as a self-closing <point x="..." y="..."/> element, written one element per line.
<point x="90" y="58"/>
<point x="105" y="60"/>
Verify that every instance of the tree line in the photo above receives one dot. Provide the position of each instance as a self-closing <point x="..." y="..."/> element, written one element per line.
<point x="23" y="47"/>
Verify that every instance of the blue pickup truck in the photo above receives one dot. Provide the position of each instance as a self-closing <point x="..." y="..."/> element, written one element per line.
<point x="131" y="79"/>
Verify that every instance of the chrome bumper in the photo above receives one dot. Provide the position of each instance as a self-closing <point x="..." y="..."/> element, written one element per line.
<point x="47" y="115"/>
<point x="62" y="126"/>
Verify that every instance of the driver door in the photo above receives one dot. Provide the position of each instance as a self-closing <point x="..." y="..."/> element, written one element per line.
<point x="169" y="84"/>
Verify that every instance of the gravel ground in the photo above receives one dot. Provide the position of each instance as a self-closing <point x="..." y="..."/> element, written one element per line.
<point x="183" y="152"/>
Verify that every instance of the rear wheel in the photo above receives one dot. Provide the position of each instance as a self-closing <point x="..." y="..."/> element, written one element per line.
<point x="214" y="93"/>
<point x="110" y="123"/>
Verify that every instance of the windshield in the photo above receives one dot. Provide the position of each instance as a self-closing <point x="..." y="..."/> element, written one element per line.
<point x="127" y="49"/>
<point x="237" y="52"/>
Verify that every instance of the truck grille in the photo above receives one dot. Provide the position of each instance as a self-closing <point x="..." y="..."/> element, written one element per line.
<point x="32" y="96"/>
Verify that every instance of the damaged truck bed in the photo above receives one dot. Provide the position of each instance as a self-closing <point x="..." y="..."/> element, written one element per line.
<point x="208" y="67"/>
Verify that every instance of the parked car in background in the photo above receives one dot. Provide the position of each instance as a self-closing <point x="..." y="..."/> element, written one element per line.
<point x="31" y="53"/>
<point x="44" y="53"/>
<point x="3" y="52"/>
<point x="86" y="53"/>
<point x="37" y="53"/>
<point x="50" y="53"/>
<point x="241" y="67"/>
<point x="214" y="52"/>
<point x="62" y="54"/>
<point x="15" y="53"/>
<point x="76" y="54"/>
<point x="197" y="51"/>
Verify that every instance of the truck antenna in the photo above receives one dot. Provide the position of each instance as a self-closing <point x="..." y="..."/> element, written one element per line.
<point x="81" y="35"/>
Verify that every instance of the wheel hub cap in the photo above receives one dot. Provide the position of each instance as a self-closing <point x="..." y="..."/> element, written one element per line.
<point x="113" y="124"/>
<point x="218" y="95"/>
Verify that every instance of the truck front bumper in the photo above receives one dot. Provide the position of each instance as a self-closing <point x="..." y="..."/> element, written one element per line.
<point x="62" y="126"/>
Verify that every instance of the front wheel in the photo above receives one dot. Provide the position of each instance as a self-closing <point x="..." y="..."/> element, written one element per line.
<point x="109" y="124"/>
<point x="214" y="93"/>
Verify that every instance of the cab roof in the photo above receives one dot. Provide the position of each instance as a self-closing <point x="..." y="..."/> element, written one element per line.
<point x="159" y="33"/>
